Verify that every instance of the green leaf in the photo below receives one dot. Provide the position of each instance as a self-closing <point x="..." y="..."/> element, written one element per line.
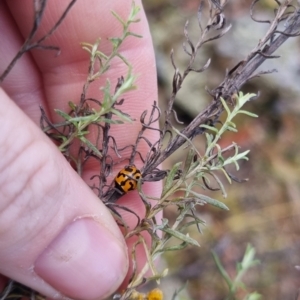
<point x="126" y="63"/>
<point x="188" y="162"/>
<point x="209" y="127"/>
<point x="174" y="248"/>
<point x="134" y="11"/>
<point x="124" y="117"/>
<point x="169" y="182"/>
<point x="196" y="221"/>
<point x="236" y="165"/>
<point x="210" y="201"/>
<point x="149" y="260"/>
<point x="236" y="157"/>
<point x="209" y="138"/>
<point x="132" y="33"/>
<point x="232" y="129"/>
<point x="245" y="112"/>
<point x="242" y="99"/>
<point x="220" y="184"/>
<point x="110" y="121"/>
<point x="225" y="106"/>
<point x="63" y="114"/>
<point x="84" y="119"/>
<point x="91" y="146"/>
<point x="181" y="236"/>
<point x="222" y="270"/>
<point x="101" y="55"/>
<point x="226" y="175"/>
<point x="118" y="18"/>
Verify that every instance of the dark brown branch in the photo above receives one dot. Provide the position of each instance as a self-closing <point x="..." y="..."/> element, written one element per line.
<point x="233" y="81"/>
<point x="39" y="6"/>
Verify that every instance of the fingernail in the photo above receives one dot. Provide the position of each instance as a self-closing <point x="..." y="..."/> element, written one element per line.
<point x="85" y="261"/>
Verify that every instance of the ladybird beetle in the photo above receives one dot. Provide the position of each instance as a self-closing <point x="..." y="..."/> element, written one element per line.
<point x="127" y="179"/>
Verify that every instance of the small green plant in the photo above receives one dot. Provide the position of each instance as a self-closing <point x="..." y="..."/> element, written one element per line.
<point x="90" y="113"/>
<point x="235" y="284"/>
<point x="179" y="189"/>
<point x="182" y="183"/>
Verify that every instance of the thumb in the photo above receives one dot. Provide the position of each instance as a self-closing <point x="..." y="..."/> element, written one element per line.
<point x="56" y="236"/>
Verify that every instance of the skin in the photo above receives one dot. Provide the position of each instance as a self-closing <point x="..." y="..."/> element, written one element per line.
<point x="55" y="235"/>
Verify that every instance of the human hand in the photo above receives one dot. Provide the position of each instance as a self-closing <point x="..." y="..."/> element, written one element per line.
<point x="55" y="235"/>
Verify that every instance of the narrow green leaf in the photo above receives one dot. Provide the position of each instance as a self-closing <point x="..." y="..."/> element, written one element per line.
<point x="237" y="157"/>
<point x="232" y="129"/>
<point x="84" y="119"/>
<point x="226" y="175"/>
<point x="134" y="11"/>
<point x="164" y="223"/>
<point x="181" y="236"/>
<point x="236" y="165"/>
<point x="196" y="221"/>
<point x="220" y="184"/>
<point x="209" y="138"/>
<point x="183" y="211"/>
<point x="124" y="117"/>
<point x="174" y="248"/>
<point x="134" y="34"/>
<point x="188" y="161"/>
<point x="169" y="182"/>
<point x="118" y="18"/>
<point x="225" y="106"/>
<point x="245" y="98"/>
<point x="245" y="112"/>
<point x="210" y="200"/>
<point x="63" y="114"/>
<point x="149" y="259"/>
<point x="214" y="129"/>
<point x="222" y="270"/>
<point x="110" y="121"/>
<point x="101" y="55"/>
<point x="126" y="63"/>
<point x="91" y="146"/>
<point x="231" y="124"/>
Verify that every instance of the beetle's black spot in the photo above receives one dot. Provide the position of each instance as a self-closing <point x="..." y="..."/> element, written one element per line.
<point x="129" y="169"/>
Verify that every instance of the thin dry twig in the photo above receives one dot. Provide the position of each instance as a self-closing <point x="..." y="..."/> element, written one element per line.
<point x="29" y="44"/>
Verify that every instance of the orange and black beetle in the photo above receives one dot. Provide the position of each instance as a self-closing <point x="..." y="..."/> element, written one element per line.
<point x="125" y="181"/>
